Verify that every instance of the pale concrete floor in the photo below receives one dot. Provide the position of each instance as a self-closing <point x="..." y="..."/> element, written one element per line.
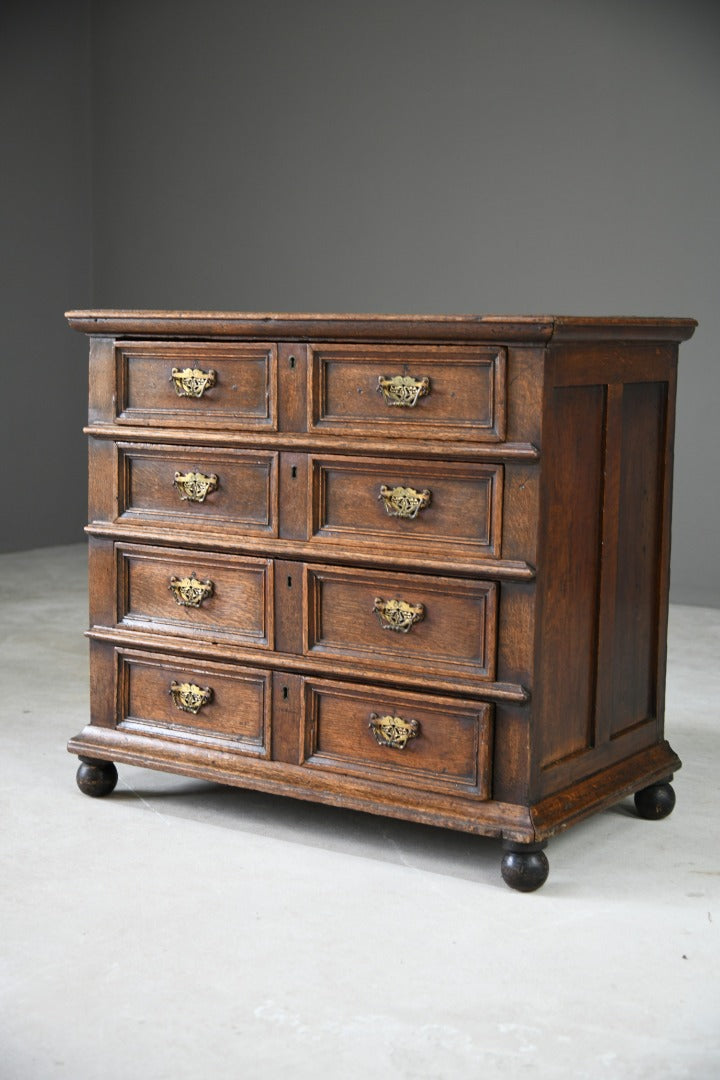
<point x="183" y="930"/>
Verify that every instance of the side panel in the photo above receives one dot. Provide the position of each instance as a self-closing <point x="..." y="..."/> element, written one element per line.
<point x="636" y="629"/>
<point x="569" y="569"/>
<point x="604" y="548"/>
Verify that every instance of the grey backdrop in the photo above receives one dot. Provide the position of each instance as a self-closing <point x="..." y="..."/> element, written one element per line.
<point x="523" y="156"/>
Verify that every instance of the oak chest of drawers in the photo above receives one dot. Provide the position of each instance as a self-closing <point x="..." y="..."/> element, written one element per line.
<point x="416" y="566"/>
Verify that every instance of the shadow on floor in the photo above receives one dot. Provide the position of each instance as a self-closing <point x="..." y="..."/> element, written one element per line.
<point x="422" y="847"/>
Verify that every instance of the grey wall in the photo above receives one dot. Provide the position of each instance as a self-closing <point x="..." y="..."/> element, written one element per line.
<point x="45" y="266"/>
<point x="518" y="156"/>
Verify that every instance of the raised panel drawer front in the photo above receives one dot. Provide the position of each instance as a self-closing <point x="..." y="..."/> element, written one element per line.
<point x="402" y="622"/>
<point x="412" y="391"/>
<point x="224" y="598"/>
<point x="212" y="489"/>
<point x="181" y="384"/>
<point x="210" y="703"/>
<point x="420" y="741"/>
<point x="413" y="506"/>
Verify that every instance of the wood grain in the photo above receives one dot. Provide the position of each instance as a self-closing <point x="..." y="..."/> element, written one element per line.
<point x="464" y="515"/>
<point x="456" y="633"/>
<point x="465" y="398"/>
<point x="451" y="750"/>
<point x="368" y="327"/>
<point x="244" y="395"/>
<point x="236" y="717"/>
<point x="239" y="610"/>
<point x="245" y="498"/>
<point x="535" y="678"/>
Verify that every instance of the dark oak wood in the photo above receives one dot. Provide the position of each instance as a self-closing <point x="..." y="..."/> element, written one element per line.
<point x="455" y="634"/>
<point x="451" y="750"/>
<point x="530" y="539"/>
<point x="655" y="802"/>
<point x="370" y="444"/>
<point x="243" y="395"/>
<point x="236" y="716"/>
<point x="360" y="555"/>
<point x="524" y="867"/>
<point x="463" y="512"/>
<point x="244" y="497"/>
<point x="238" y="610"/>
<point x="464" y="397"/>
<point x="96" y="778"/>
<point x="375" y="669"/>
<point x="351" y="327"/>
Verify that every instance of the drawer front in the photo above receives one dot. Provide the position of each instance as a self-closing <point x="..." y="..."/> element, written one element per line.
<point x="403" y="622"/>
<point x="222" y="598"/>
<point x="210" y="703"/>
<point x="213" y="489"/>
<point x="418" y="392"/>
<point x="428" y="742"/>
<point x="413" y="506"/>
<point x="210" y="386"/>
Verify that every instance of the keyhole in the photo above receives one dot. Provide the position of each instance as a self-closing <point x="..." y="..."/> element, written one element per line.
<point x="285" y="692"/>
<point x="289" y="582"/>
<point x="292" y="361"/>
<point x="293" y="471"/>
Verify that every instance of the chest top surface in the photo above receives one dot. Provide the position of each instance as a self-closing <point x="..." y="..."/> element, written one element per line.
<point x="536" y="328"/>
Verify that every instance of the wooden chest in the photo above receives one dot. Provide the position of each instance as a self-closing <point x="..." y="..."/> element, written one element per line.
<point x="416" y="566"/>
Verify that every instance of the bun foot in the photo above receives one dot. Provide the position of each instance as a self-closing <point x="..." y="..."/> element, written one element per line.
<point x="96" y="778"/>
<point x="524" y="866"/>
<point x="655" y="802"/>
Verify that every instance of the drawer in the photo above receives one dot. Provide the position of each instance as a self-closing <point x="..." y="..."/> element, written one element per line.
<point x="419" y="392"/>
<point x="413" y="506"/>
<point x="402" y="622"/>
<point x="212" y="489"/>
<point x="223" y="598"/>
<point x="416" y="740"/>
<point x="210" y="703"/>
<point x="180" y="384"/>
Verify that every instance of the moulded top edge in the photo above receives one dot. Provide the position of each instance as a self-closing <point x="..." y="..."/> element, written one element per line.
<point x="646" y="328"/>
<point x="339" y="326"/>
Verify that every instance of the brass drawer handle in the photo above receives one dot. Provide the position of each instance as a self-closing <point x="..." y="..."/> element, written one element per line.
<point x="398" y="615"/>
<point x="192" y="382"/>
<point x="404" y="502"/>
<point x="194" y="486"/>
<point x="189" y="591"/>
<point x="189" y="697"/>
<point x="393" y="730"/>
<point x="403" y="390"/>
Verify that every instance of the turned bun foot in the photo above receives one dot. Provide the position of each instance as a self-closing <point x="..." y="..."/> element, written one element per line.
<point x="656" y="801"/>
<point x="96" y="778"/>
<point x="524" y="866"/>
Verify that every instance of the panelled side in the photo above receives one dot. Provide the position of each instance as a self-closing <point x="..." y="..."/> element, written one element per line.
<point x="604" y="549"/>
